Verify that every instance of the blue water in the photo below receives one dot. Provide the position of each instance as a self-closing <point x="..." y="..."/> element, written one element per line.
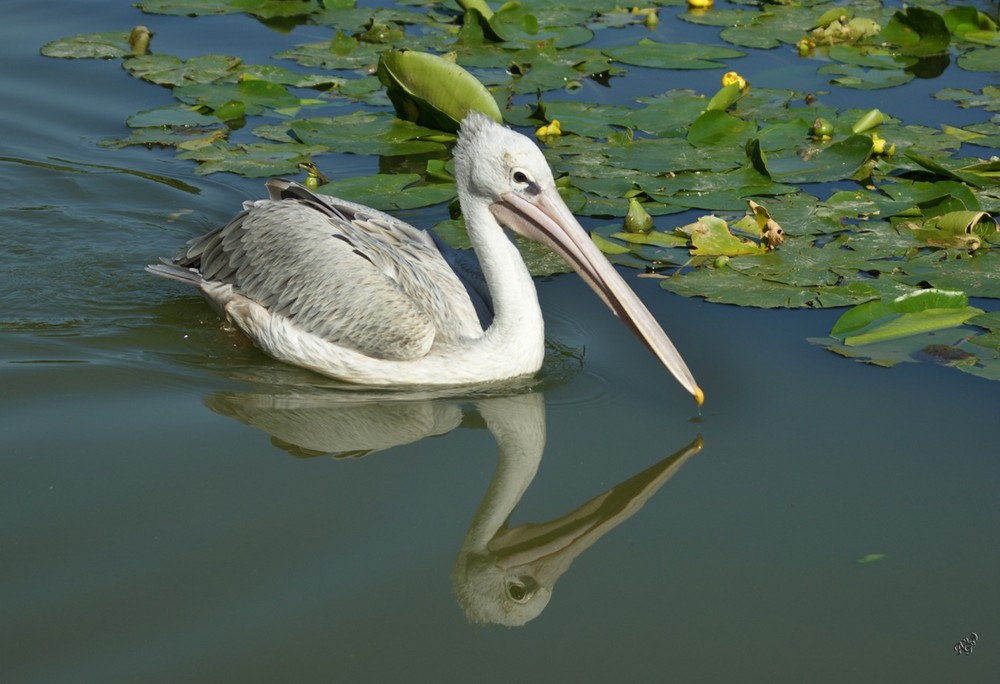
<point x="169" y="511"/>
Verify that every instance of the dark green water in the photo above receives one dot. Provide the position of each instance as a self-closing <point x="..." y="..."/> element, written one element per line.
<point x="164" y="516"/>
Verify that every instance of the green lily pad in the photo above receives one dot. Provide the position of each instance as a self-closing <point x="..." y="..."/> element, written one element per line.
<point x="256" y="96"/>
<point x="850" y="76"/>
<point x="389" y="192"/>
<point x="433" y="91"/>
<point x="977" y="173"/>
<point x="257" y="160"/>
<point x="170" y="71"/>
<point x="716" y="127"/>
<point x="110" y="45"/>
<point x="649" y="53"/>
<point x="981" y="59"/>
<point x="590" y="120"/>
<point x="911" y="314"/>
<point x="362" y="133"/>
<point x="728" y="286"/>
<point x="917" y="31"/>
<point x="968" y="230"/>
<point x="835" y="161"/>
<point x="171" y="115"/>
<point x="988" y="98"/>
<point x="189" y="8"/>
<point x="668" y="113"/>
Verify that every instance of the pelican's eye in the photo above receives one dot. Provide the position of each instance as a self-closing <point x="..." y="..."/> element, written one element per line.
<point x="524" y="182"/>
<point x="516" y="591"/>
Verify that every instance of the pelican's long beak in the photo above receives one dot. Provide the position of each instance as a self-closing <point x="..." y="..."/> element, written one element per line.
<point x="545" y="218"/>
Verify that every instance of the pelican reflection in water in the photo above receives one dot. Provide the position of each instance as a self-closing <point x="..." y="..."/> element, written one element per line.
<point x="360" y="296"/>
<point x="501" y="574"/>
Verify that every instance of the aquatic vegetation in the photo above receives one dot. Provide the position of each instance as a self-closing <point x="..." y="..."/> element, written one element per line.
<point x="847" y="207"/>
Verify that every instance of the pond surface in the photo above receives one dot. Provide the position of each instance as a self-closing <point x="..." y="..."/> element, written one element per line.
<point x="170" y="512"/>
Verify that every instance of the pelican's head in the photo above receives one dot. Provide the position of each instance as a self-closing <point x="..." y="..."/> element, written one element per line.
<point x="491" y="160"/>
<point x="501" y="169"/>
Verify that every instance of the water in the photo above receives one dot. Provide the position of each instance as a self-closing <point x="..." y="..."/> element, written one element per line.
<point x="167" y="514"/>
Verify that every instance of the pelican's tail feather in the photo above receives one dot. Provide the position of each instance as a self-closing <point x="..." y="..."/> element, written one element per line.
<point x="168" y="269"/>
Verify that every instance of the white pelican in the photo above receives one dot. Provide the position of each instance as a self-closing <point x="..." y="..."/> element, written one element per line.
<point x="355" y="294"/>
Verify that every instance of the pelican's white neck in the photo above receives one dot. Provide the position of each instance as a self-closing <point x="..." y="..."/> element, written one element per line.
<point x="517" y="328"/>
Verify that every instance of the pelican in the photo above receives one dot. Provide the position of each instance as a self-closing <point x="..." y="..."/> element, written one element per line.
<point x="357" y="295"/>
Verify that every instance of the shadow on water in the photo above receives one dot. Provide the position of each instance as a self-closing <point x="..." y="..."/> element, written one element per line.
<point x="502" y="575"/>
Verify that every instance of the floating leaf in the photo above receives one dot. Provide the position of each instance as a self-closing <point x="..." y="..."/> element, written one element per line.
<point x="911" y="314"/>
<point x="728" y="286"/>
<point x="256" y="160"/>
<point x="433" y="91"/>
<point x="957" y="229"/>
<point x="362" y="133"/>
<point x="591" y="120"/>
<point x="982" y="59"/>
<point x="390" y="192"/>
<point x="865" y="79"/>
<point x="710" y="236"/>
<point x="649" y="53"/>
<point x="256" y="96"/>
<point x="836" y="161"/>
<point x="917" y="31"/>
<point x="979" y="174"/>
<point x="716" y="127"/>
<point x="111" y="45"/>
<point x="607" y="246"/>
<point x="871" y="557"/>
<point x="189" y="8"/>
<point x="171" y="71"/>
<point x="171" y="115"/>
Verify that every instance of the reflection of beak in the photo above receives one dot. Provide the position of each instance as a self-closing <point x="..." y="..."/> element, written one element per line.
<point x="544" y="551"/>
<point x="545" y="218"/>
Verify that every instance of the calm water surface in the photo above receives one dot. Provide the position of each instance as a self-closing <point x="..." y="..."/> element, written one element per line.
<point x="169" y="511"/>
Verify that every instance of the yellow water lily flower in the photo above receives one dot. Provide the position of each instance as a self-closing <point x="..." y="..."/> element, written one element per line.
<point x="731" y="77"/>
<point x="549" y="131"/>
<point x="700" y="4"/>
<point x="805" y="47"/>
<point x="879" y="146"/>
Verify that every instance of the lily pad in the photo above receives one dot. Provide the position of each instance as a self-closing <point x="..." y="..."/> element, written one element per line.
<point x="171" y="71"/>
<point x="649" y="53"/>
<point x="710" y="236"/>
<point x="433" y="91"/>
<point x="362" y="133"/>
<point x="390" y="192"/>
<point x="257" y="160"/>
<point x="110" y="45"/>
<point x="835" y="161"/>
<point x="910" y="314"/>
<point x="981" y="59"/>
<point x="917" y="31"/>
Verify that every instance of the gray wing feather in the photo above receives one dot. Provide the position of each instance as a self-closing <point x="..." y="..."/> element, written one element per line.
<point x="350" y="274"/>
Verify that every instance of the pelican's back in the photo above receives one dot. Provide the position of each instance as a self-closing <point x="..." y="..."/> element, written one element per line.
<point x="349" y="274"/>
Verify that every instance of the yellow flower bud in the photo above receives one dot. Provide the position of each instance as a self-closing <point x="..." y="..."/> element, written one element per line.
<point x="549" y="131"/>
<point x="731" y="77"/>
